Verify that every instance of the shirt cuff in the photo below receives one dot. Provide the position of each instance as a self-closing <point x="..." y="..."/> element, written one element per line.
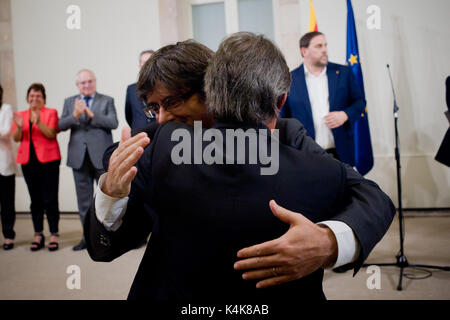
<point x="109" y="210"/>
<point x="348" y="244"/>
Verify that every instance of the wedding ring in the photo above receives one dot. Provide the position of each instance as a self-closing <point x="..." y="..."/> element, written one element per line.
<point x="274" y="271"/>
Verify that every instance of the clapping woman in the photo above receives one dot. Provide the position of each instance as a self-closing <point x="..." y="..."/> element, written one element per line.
<point x="36" y="129"/>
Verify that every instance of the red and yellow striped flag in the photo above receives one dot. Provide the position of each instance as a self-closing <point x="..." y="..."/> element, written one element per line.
<point x="312" y="18"/>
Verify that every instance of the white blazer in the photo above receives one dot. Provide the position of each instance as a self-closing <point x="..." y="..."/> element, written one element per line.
<point x="7" y="164"/>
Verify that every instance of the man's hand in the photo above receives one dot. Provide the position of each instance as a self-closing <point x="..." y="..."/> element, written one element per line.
<point x="88" y="112"/>
<point x="335" y="119"/>
<point x="78" y="108"/>
<point x="121" y="169"/>
<point x="303" y="249"/>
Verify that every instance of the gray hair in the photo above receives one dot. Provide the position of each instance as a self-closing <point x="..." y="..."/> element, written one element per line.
<point x="85" y="70"/>
<point x="246" y="79"/>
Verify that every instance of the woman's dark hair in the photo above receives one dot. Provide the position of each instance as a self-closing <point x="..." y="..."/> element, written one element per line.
<point x="179" y="67"/>
<point x="37" y="87"/>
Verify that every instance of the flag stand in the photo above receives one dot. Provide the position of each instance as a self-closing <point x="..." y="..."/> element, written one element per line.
<point x="402" y="261"/>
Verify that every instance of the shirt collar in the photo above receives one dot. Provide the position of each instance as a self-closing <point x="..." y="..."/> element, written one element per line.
<point x="92" y="97"/>
<point x="307" y="73"/>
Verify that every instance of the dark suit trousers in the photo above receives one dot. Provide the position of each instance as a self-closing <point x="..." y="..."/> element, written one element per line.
<point x="43" y="182"/>
<point x="8" y="214"/>
<point x="84" y="184"/>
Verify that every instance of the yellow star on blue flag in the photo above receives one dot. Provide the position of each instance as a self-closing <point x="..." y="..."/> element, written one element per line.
<point x="353" y="59"/>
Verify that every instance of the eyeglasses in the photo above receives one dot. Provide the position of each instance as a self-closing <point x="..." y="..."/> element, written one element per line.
<point x="167" y="103"/>
<point x="86" y="82"/>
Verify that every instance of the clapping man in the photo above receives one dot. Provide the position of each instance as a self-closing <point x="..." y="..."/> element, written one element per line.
<point x="90" y="116"/>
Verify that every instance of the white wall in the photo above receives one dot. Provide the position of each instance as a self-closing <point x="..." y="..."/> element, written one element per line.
<point x="112" y="35"/>
<point x="415" y="40"/>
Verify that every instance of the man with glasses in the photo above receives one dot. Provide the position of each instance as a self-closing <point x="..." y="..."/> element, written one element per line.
<point x="90" y="116"/>
<point x="173" y="86"/>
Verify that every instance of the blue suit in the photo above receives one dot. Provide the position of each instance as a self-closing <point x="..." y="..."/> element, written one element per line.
<point x="344" y="95"/>
<point x="134" y="113"/>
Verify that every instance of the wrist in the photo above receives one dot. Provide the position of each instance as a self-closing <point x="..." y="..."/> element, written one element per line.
<point x="107" y="189"/>
<point x="329" y="247"/>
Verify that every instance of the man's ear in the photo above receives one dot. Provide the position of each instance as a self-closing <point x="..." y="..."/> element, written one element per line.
<point x="281" y="100"/>
<point x="303" y="51"/>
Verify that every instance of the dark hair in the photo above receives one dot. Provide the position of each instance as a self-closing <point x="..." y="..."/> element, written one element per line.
<point x="307" y="37"/>
<point x="178" y="67"/>
<point x="246" y="79"/>
<point x="1" y="96"/>
<point x="37" y="87"/>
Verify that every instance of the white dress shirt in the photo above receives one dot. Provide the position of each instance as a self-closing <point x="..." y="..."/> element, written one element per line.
<point x="109" y="212"/>
<point x="320" y="106"/>
<point x="7" y="164"/>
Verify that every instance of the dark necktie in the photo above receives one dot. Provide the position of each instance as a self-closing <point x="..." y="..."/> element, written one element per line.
<point x="87" y="100"/>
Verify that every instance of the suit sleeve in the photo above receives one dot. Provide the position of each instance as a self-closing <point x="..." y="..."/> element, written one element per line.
<point x="53" y="121"/>
<point x="356" y="100"/>
<point x="67" y="121"/>
<point x="367" y="210"/>
<point x="107" y="120"/>
<point x="137" y="222"/>
<point x="128" y="108"/>
<point x="106" y="245"/>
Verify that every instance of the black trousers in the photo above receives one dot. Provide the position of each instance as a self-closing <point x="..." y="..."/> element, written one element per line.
<point x="43" y="182"/>
<point x="8" y="212"/>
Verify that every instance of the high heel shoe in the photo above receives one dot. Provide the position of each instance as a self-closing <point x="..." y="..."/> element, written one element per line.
<point x="53" y="245"/>
<point x="8" y="246"/>
<point x="35" y="246"/>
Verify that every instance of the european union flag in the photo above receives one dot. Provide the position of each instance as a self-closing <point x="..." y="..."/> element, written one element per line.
<point x="363" y="145"/>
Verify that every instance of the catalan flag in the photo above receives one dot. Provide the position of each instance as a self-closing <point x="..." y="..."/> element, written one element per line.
<point x="312" y="18"/>
<point x="363" y="144"/>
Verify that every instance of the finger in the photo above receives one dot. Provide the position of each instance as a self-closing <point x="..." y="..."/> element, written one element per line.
<point x="126" y="134"/>
<point x="129" y="176"/>
<point x="274" y="281"/>
<point x="283" y="214"/>
<point x="258" y="262"/>
<point x="262" y="249"/>
<point x="264" y="273"/>
<point x="129" y="161"/>
<point x="123" y="152"/>
<point x="140" y="139"/>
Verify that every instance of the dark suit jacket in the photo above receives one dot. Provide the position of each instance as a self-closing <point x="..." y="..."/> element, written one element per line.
<point x="227" y="206"/>
<point x="344" y="95"/>
<point x="86" y="135"/>
<point x="134" y="113"/>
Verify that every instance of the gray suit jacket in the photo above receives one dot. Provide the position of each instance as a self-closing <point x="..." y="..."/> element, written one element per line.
<point x="86" y="134"/>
